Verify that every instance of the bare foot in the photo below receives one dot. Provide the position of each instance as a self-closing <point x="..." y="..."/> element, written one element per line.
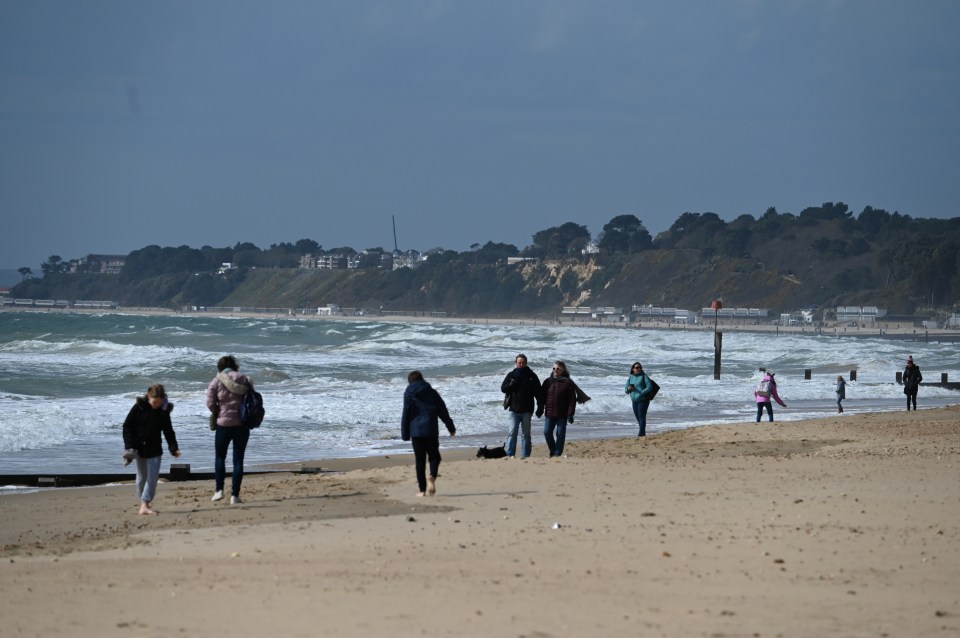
<point x="145" y="510"/>
<point x="420" y="494"/>
<point x="432" y="485"/>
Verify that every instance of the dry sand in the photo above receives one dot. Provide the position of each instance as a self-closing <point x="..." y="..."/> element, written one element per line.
<point x="845" y="526"/>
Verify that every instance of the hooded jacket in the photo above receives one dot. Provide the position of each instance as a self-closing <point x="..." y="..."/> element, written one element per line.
<point x="143" y="426"/>
<point x="773" y="392"/>
<point x="226" y="391"/>
<point x="423" y="407"/>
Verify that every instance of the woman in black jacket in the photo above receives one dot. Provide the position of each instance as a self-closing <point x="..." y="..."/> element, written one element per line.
<point x="911" y="382"/>
<point x="147" y="419"/>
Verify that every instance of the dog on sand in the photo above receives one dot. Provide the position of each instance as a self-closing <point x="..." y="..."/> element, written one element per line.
<point x="494" y="453"/>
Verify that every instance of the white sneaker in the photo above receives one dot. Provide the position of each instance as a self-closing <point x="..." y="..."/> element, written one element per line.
<point x="235" y="500"/>
<point x="218" y="495"/>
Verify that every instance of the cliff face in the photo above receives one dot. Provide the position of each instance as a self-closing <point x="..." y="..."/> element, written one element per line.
<point x="674" y="278"/>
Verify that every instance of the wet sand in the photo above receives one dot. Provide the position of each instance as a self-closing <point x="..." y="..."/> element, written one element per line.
<point x="841" y="526"/>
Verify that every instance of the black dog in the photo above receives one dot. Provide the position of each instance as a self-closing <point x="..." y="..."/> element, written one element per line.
<point x="495" y="453"/>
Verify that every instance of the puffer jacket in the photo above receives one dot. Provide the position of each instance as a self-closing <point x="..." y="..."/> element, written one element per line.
<point x="912" y="378"/>
<point x="423" y="407"/>
<point x="226" y="391"/>
<point x="143" y="426"/>
<point x="560" y="397"/>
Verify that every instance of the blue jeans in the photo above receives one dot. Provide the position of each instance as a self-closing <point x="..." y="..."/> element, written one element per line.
<point x="238" y="435"/>
<point x="558" y="423"/>
<point x="640" y="411"/>
<point x="148" y="473"/>
<point x="515" y="420"/>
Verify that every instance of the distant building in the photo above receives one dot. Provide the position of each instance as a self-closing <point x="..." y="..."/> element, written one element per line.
<point x="599" y="313"/>
<point x="860" y="314"/>
<point x="336" y="261"/>
<point x="407" y="259"/>
<point x="99" y="264"/>
<point x="754" y="315"/>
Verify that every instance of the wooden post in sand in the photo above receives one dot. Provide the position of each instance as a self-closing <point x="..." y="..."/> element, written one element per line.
<point x="716" y="304"/>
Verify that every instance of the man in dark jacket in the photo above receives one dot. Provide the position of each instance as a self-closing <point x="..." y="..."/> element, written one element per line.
<point x="423" y="407"/>
<point x="523" y="390"/>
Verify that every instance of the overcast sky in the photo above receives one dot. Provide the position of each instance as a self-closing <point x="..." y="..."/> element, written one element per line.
<point x="128" y="123"/>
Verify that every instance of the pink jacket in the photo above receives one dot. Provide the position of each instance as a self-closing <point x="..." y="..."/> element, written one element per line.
<point x="773" y="392"/>
<point x="227" y="390"/>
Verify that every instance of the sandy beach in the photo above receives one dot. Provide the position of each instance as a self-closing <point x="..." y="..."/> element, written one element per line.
<point x="845" y="526"/>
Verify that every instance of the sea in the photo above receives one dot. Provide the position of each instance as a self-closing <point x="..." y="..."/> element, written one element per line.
<point x="333" y="388"/>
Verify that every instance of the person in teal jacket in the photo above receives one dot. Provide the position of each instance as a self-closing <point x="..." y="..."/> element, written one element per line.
<point x="639" y="388"/>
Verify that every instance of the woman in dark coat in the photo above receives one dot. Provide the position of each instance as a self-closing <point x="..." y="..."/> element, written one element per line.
<point x="559" y="405"/>
<point x="147" y="420"/>
<point x="423" y="407"/>
<point x="911" y="382"/>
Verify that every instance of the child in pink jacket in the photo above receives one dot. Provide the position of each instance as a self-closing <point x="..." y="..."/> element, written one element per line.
<point x="764" y="392"/>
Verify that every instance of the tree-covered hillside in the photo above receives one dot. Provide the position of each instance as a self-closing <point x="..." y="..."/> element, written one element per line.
<point x="824" y="257"/>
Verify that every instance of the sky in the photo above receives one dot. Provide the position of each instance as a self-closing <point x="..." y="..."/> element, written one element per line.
<point x="213" y="122"/>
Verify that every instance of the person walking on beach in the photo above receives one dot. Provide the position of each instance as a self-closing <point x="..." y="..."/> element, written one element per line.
<point x="638" y="386"/>
<point x="147" y="419"/>
<point x="224" y="396"/>
<point x="911" y="382"/>
<point x="766" y="390"/>
<point x="524" y="390"/>
<point x="423" y="408"/>
<point x="841" y="393"/>
<point x="559" y="406"/>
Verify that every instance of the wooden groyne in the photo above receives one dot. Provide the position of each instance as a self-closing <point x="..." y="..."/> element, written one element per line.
<point x="178" y="472"/>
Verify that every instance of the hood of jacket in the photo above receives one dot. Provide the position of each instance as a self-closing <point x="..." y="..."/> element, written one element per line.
<point x="230" y="382"/>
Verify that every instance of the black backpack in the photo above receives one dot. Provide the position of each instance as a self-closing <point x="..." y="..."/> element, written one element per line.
<point x="251" y="409"/>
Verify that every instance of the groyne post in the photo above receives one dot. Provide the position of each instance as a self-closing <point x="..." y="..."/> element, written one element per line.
<point x="853" y="375"/>
<point x="716" y="304"/>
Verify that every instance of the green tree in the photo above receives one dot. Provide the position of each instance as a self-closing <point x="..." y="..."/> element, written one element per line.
<point x="625" y="234"/>
<point x="54" y="264"/>
<point x="25" y="272"/>
<point x="560" y="241"/>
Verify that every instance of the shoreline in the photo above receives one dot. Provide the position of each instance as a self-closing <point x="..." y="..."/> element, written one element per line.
<point x="831" y="526"/>
<point x="831" y="330"/>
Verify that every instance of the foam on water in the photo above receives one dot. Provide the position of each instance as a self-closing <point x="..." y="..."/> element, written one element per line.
<point x="334" y="388"/>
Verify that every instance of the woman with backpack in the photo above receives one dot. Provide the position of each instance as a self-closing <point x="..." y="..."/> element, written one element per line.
<point x="224" y="398"/>
<point x="639" y="387"/>
<point x="766" y="390"/>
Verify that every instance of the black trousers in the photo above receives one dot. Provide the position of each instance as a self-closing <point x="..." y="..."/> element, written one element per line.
<point x="424" y="448"/>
